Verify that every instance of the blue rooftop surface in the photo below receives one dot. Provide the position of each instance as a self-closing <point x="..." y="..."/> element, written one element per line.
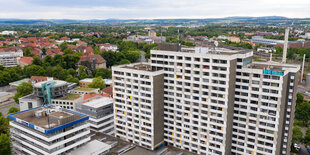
<point x="48" y="119"/>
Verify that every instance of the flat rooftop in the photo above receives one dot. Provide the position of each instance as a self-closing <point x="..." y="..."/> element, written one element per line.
<point x="212" y="49"/>
<point x="119" y="144"/>
<point x="16" y="83"/>
<point x="87" y="80"/>
<point x="92" y="147"/>
<point x="141" y="67"/>
<point x="48" y="119"/>
<point x="99" y="102"/>
<point x="275" y="66"/>
<point x="70" y="97"/>
<point x="85" y="89"/>
<point x="57" y="83"/>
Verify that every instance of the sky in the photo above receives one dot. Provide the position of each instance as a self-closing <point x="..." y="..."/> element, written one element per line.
<point x="150" y="9"/>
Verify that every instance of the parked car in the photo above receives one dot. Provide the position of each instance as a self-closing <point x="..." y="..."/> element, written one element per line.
<point x="297" y="147"/>
<point x="308" y="149"/>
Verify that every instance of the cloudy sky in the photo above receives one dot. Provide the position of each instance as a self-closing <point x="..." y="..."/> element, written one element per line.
<point x="150" y="9"/>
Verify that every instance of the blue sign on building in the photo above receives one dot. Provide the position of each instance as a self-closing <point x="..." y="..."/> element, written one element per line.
<point x="271" y="72"/>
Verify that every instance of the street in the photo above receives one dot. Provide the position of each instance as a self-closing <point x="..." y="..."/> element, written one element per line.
<point x="4" y="108"/>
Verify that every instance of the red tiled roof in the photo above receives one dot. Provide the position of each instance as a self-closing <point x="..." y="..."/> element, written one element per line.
<point x="37" y="79"/>
<point x="89" y="51"/>
<point x="53" y="52"/>
<point x="81" y="43"/>
<point x="36" y="52"/>
<point x="27" y="60"/>
<point x="90" y="58"/>
<point x="108" y="90"/>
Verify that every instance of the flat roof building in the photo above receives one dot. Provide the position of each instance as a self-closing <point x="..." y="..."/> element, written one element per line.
<point x="100" y="112"/>
<point x="48" y="130"/>
<point x="138" y="104"/>
<point x="216" y="101"/>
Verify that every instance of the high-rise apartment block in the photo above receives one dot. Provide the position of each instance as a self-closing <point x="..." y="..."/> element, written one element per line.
<point x="217" y="100"/>
<point x="48" y="130"/>
<point x="139" y="104"/>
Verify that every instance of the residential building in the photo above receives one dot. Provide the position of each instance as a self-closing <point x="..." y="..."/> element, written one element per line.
<point x="199" y="97"/>
<point x="108" y="47"/>
<point x="138" y="104"/>
<point x="24" y="61"/>
<point x="265" y="99"/>
<point x="68" y="102"/>
<point x="216" y="101"/>
<point x="85" y="82"/>
<point x="9" y="56"/>
<point x="100" y="112"/>
<point x="202" y="90"/>
<point x="48" y="130"/>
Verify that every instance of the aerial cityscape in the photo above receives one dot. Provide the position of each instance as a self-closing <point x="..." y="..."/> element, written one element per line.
<point x="154" y="78"/>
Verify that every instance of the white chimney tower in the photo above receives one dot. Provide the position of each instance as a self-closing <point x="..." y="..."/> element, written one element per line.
<point x="287" y="31"/>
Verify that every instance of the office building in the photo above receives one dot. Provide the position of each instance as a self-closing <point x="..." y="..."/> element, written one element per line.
<point x="100" y="112"/>
<point x="48" y="130"/>
<point x="138" y="104"/>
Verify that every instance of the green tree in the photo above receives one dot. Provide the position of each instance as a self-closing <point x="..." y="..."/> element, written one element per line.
<point x="82" y="72"/>
<point x="68" y="51"/>
<point x="124" y="61"/>
<point x="297" y="134"/>
<point x="132" y="56"/>
<point x="72" y="79"/>
<point x="63" y="46"/>
<point x="307" y="137"/>
<point x="13" y="110"/>
<point x="36" y="61"/>
<point x="70" y="61"/>
<point x="23" y="89"/>
<point x="104" y="73"/>
<point x="34" y="70"/>
<point x="302" y="112"/>
<point x="300" y="98"/>
<point x="110" y="57"/>
<point x="5" y="146"/>
<point x="58" y="60"/>
<point x="27" y="52"/>
<point x="72" y="72"/>
<point x="97" y="83"/>
<point x="4" y="125"/>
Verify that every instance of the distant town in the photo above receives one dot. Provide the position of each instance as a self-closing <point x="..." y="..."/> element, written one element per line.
<point x="167" y="88"/>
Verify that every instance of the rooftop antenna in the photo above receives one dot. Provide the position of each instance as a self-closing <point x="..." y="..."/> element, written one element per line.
<point x="287" y="31"/>
<point x="303" y="67"/>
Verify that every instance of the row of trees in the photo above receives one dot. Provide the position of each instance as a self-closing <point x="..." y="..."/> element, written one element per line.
<point x="302" y="118"/>
<point x="5" y="145"/>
